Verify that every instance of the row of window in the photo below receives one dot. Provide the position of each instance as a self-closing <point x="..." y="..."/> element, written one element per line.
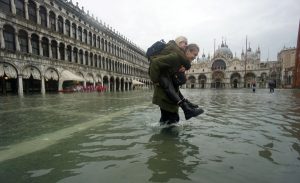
<point x="60" y="51"/>
<point x="65" y="27"/>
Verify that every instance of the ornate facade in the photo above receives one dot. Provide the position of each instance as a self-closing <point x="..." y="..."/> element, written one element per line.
<point x="224" y="70"/>
<point x="45" y="44"/>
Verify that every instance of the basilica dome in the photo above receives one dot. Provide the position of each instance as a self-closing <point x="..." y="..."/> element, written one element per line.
<point x="224" y="51"/>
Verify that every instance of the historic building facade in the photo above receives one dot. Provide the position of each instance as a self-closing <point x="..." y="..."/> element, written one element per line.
<point x="45" y="44"/>
<point x="287" y="58"/>
<point x="224" y="70"/>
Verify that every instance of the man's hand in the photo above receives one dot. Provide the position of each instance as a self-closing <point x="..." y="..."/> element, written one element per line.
<point x="181" y="69"/>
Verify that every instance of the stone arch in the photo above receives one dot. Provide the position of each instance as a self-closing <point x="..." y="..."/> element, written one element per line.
<point x="249" y="78"/>
<point x="202" y="81"/>
<point x="51" y="80"/>
<point x="106" y="82"/>
<point x="89" y="79"/>
<point x="9" y="37"/>
<point x="8" y="78"/>
<point x="218" y="64"/>
<point x="112" y="83"/>
<point x="43" y="16"/>
<point x="98" y="79"/>
<point x="118" y="83"/>
<point x="235" y="80"/>
<point x="191" y="82"/>
<point x="218" y="79"/>
<point x="31" y="79"/>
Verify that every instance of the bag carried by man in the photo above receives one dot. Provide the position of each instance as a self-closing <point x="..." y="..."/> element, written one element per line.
<point x="156" y="48"/>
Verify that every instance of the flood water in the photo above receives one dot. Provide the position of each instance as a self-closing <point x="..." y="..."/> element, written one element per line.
<point x="115" y="137"/>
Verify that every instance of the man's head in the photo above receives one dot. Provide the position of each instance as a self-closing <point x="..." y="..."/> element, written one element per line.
<point x="191" y="51"/>
<point x="181" y="42"/>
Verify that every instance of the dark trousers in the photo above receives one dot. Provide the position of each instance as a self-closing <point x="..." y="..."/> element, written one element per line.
<point x="168" y="117"/>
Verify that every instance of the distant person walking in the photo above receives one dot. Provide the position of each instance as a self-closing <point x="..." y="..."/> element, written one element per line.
<point x="271" y="86"/>
<point x="253" y="87"/>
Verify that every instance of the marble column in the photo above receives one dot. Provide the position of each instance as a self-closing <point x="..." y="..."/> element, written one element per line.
<point x="2" y="42"/>
<point x="50" y="50"/>
<point x="71" y="31"/>
<point x="43" y="90"/>
<point x="60" y="83"/>
<point x="20" y="85"/>
<point x="26" y="9"/>
<point x="48" y="20"/>
<point x="38" y="14"/>
<point x="64" y="26"/>
<point x="29" y="44"/>
<point x="40" y="47"/>
<point x="13" y="7"/>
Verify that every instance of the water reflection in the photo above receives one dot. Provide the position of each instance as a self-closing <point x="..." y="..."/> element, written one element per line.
<point x="174" y="157"/>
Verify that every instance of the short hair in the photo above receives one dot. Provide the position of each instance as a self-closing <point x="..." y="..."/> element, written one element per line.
<point x="192" y="47"/>
<point x="180" y="39"/>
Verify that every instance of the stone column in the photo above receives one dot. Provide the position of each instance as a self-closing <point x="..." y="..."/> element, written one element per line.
<point x="2" y="42"/>
<point x="17" y="41"/>
<point x="26" y="9"/>
<point x="58" y="53"/>
<point x="29" y="44"/>
<point x="71" y="31"/>
<point x="72" y="56"/>
<point x="40" y="46"/>
<point x="48" y="20"/>
<point x="102" y="81"/>
<point x="115" y="85"/>
<point x="13" y="7"/>
<point x="38" y="14"/>
<point x="43" y="90"/>
<point x="50" y="49"/>
<point x="84" y="83"/>
<point x="20" y="85"/>
<point x="56" y="23"/>
<point x="66" y="55"/>
<point x="83" y="58"/>
<point x="64" y="26"/>
<point x="60" y="83"/>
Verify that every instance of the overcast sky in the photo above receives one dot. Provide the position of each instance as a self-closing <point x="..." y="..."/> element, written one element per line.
<point x="269" y="24"/>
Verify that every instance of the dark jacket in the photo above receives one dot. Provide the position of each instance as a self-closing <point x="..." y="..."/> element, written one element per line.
<point x="166" y="63"/>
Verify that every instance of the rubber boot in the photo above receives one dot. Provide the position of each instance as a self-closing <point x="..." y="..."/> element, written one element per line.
<point x="187" y="101"/>
<point x="190" y="112"/>
<point x="168" y="87"/>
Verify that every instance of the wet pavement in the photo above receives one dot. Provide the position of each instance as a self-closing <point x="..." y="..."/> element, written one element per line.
<point x="115" y="137"/>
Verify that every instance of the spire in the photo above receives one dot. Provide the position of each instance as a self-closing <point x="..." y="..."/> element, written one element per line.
<point x="258" y="49"/>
